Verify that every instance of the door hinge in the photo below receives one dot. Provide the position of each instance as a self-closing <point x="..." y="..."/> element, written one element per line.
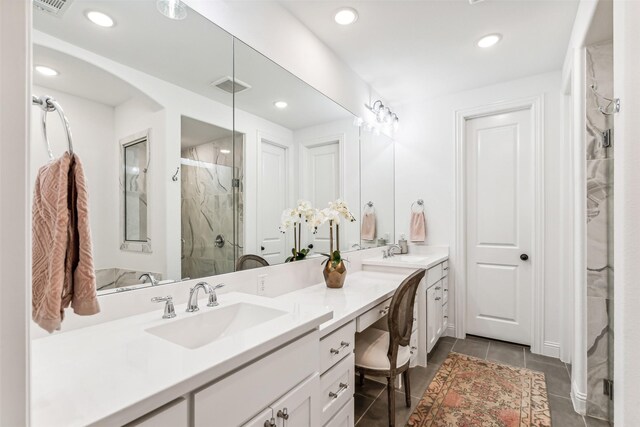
<point x="606" y="138"/>
<point x="235" y="183"/>
<point x="607" y="388"/>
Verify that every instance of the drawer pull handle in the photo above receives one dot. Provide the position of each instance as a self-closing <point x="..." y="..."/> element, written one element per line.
<point x="384" y="310"/>
<point x="446" y="268"/>
<point x="437" y="288"/>
<point x="270" y="423"/>
<point x="437" y="298"/>
<point x="335" y="395"/>
<point x="446" y="317"/>
<point x="446" y="290"/>
<point x="283" y="414"/>
<point x="343" y="344"/>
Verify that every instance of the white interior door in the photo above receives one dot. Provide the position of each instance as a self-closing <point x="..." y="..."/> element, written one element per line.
<point x="272" y="200"/>
<point x="500" y="182"/>
<point x="322" y="185"/>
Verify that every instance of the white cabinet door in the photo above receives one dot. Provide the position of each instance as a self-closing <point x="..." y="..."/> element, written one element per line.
<point x="439" y="314"/>
<point x="432" y="319"/>
<point x="263" y="419"/>
<point x="344" y="417"/>
<point x="300" y="407"/>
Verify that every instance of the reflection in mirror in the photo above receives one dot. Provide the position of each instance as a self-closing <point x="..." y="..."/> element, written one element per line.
<point x="377" y="189"/>
<point x="209" y="165"/>
<point x="304" y="147"/>
<point x="135" y="165"/>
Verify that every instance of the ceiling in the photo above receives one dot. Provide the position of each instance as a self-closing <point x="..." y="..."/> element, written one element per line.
<point x="192" y="54"/>
<point x="195" y="132"/>
<point x="411" y="50"/>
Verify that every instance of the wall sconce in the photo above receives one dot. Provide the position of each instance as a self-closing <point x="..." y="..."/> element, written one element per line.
<point x="384" y="116"/>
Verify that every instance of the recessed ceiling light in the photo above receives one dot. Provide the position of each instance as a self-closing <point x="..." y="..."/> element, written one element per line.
<point x="489" y="40"/>
<point x="225" y="151"/>
<point x="46" y="71"/>
<point x="280" y="104"/>
<point x="100" y="19"/>
<point x="172" y="9"/>
<point x="346" y="16"/>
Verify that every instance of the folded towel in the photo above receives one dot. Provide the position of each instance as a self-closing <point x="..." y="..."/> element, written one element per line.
<point x="418" y="227"/>
<point x="368" y="231"/>
<point x="62" y="261"/>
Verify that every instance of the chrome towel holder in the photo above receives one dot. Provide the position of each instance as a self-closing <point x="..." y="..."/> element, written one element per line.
<point x="49" y="104"/>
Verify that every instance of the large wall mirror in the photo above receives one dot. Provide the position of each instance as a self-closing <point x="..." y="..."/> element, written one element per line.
<point x="194" y="144"/>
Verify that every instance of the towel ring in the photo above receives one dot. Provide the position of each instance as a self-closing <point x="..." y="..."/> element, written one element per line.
<point x="369" y="205"/>
<point x="49" y="104"/>
<point x="420" y="204"/>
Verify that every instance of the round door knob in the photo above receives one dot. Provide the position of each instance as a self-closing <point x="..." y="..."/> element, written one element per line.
<point x="524" y="257"/>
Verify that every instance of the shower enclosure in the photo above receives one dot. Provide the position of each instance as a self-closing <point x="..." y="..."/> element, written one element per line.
<point x="211" y="199"/>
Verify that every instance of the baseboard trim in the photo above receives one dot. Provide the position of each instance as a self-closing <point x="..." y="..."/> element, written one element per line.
<point x="578" y="399"/>
<point x="551" y="349"/>
<point x="450" y="331"/>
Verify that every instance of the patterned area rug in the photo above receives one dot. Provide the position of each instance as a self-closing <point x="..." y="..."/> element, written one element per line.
<point x="471" y="392"/>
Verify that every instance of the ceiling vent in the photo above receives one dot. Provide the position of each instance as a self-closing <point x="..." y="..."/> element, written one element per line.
<point x="52" y="7"/>
<point x="230" y="85"/>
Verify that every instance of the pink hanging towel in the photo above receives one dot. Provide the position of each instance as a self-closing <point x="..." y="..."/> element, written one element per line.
<point x="418" y="227"/>
<point x="368" y="226"/>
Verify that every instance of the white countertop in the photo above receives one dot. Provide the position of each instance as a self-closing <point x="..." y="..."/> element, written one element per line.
<point x="417" y="259"/>
<point x="107" y="374"/>
<point x="362" y="290"/>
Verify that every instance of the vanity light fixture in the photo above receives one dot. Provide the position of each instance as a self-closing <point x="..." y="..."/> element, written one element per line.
<point x="280" y="104"/>
<point x="172" y="9"/>
<point x="46" y="71"/>
<point x="384" y="116"/>
<point x="225" y="151"/>
<point x="100" y="19"/>
<point x="489" y="40"/>
<point x="346" y="16"/>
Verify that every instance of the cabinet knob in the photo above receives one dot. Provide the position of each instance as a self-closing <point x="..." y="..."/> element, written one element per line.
<point x="437" y="298"/>
<point x="282" y="413"/>
<point x="270" y="423"/>
<point x="438" y="288"/>
<point x="524" y="257"/>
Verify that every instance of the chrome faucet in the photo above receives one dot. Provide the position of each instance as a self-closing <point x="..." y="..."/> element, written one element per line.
<point x="152" y="279"/>
<point x="169" y="310"/>
<point x="192" y="305"/>
<point x="391" y="248"/>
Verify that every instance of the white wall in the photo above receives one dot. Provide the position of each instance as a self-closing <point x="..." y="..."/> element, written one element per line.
<point x="425" y="150"/>
<point x="627" y="213"/>
<point x="15" y="212"/>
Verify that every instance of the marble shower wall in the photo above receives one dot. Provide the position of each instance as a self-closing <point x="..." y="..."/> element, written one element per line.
<point x="599" y="167"/>
<point x="112" y="278"/>
<point x="208" y="209"/>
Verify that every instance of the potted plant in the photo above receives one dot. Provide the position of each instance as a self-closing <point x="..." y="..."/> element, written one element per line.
<point x="335" y="272"/>
<point x="293" y="218"/>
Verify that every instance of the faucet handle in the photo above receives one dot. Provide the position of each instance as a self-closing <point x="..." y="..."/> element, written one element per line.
<point x="169" y="309"/>
<point x="213" y="298"/>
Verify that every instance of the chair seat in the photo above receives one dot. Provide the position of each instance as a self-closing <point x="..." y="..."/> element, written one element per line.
<point x="371" y="350"/>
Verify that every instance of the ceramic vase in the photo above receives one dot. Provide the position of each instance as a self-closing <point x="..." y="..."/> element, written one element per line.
<point x="334" y="276"/>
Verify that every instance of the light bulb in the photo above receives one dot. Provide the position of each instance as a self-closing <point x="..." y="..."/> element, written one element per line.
<point x="172" y="9"/>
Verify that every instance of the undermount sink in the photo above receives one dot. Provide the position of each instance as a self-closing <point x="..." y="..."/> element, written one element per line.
<point x="210" y="325"/>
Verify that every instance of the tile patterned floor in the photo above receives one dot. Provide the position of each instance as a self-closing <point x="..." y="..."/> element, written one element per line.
<point x="371" y="398"/>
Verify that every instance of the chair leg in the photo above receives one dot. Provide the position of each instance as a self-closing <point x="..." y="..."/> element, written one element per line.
<point x="407" y="388"/>
<point x="391" y="400"/>
<point x="361" y="379"/>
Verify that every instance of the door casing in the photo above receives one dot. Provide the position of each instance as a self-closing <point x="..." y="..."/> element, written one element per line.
<point x="535" y="106"/>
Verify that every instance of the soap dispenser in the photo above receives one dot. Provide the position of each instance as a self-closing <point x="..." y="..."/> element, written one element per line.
<point x="404" y="246"/>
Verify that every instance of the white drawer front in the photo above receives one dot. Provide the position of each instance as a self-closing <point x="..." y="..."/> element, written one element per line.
<point x="335" y="346"/>
<point x="445" y="268"/>
<point x="240" y="396"/>
<point x="445" y="316"/>
<point x="414" y="348"/>
<point x="370" y="317"/>
<point x="337" y="387"/>
<point x="345" y="416"/>
<point x="445" y="290"/>
<point x="433" y="275"/>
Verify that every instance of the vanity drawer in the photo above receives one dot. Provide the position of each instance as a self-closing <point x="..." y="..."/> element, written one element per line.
<point x="337" y="387"/>
<point x="445" y="317"/>
<point x="413" y="343"/>
<point x="370" y="317"/>
<point x="337" y="345"/>
<point x="445" y="268"/>
<point x="433" y="275"/>
<point x="345" y="416"/>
